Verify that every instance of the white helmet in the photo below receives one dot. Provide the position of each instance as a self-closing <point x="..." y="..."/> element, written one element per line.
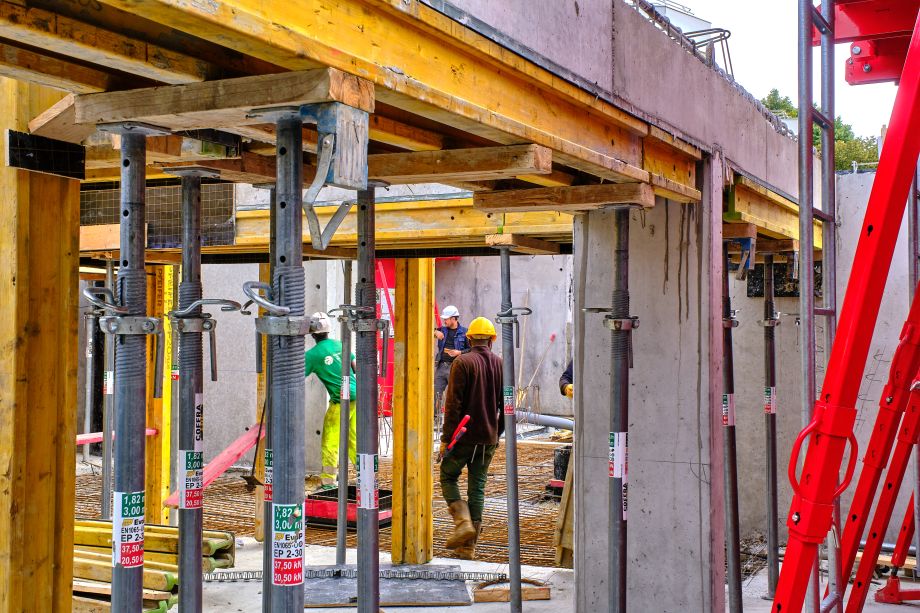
<point x="320" y="324"/>
<point x="450" y="311"/>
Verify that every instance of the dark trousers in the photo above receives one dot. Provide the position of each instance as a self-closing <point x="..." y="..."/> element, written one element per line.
<point x="476" y="460"/>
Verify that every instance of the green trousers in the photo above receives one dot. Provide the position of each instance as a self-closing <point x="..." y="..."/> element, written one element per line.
<point x="476" y="460"/>
<point x="330" y="441"/>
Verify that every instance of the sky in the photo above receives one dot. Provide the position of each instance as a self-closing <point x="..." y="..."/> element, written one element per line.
<point x="763" y="47"/>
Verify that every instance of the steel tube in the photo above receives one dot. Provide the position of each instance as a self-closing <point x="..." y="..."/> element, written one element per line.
<point x="619" y="414"/>
<point x="730" y="472"/>
<point x="267" y="424"/>
<point x="806" y="243"/>
<point x="511" y="468"/>
<point x="538" y="419"/>
<point x="769" y="337"/>
<point x="91" y="328"/>
<point x="341" y="525"/>
<point x="913" y="272"/>
<point x="287" y="386"/>
<point x="108" y="406"/>
<point x="130" y="385"/>
<point x="367" y="434"/>
<point x="191" y="423"/>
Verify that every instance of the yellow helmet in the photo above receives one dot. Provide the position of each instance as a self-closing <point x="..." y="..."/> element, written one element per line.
<point x="481" y="328"/>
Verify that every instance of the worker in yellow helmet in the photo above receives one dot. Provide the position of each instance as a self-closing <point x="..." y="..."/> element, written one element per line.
<point x="325" y="361"/>
<point x="474" y="389"/>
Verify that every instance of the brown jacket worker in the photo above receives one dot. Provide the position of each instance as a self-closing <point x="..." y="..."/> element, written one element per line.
<point x="474" y="389"/>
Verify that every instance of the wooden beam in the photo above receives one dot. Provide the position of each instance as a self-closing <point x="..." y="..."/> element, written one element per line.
<point x="69" y="37"/>
<point x="59" y="121"/>
<point x="479" y="164"/>
<point x="49" y="71"/>
<point x="578" y="198"/>
<point x="772" y="245"/>
<point x="522" y="244"/>
<point x="39" y="227"/>
<point x="392" y="132"/>
<point x="556" y="178"/>
<point x="774" y="216"/>
<point x="225" y="103"/>
<point x="739" y="230"/>
<point x="413" y="399"/>
<point x="170" y="148"/>
<point x="102" y="237"/>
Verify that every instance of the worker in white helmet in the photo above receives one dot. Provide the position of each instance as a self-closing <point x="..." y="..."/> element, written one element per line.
<point x="325" y="361"/>
<point x="451" y="343"/>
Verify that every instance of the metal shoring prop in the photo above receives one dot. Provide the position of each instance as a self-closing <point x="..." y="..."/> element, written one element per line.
<point x="730" y="474"/>
<point x="344" y="423"/>
<point x="770" y="321"/>
<point x="266" y="420"/>
<point x="367" y="427"/>
<point x="288" y="384"/>
<point x="130" y="326"/>
<point x="108" y="406"/>
<point x="92" y="323"/>
<point x="189" y="322"/>
<point x="913" y="273"/>
<point x="508" y="320"/>
<point x="621" y="325"/>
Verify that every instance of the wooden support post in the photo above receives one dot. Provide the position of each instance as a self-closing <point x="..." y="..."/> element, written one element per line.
<point x="265" y="277"/>
<point x="413" y="402"/>
<point x="158" y="456"/>
<point x="39" y="257"/>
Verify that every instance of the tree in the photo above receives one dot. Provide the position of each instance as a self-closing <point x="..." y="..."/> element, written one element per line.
<point x="849" y="148"/>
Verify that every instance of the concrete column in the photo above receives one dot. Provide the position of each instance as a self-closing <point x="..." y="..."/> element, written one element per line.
<point x="669" y="463"/>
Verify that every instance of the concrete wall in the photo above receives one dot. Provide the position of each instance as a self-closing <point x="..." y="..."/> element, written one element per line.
<point x="541" y="282"/>
<point x="669" y="475"/>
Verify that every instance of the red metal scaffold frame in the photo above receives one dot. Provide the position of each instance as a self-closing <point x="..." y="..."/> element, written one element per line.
<point x="892" y="592"/>
<point x="812" y="505"/>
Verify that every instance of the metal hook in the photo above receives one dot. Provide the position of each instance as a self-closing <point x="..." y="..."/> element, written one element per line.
<point x="90" y="294"/>
<point x="250" y="288"/>
<point x="226" y="306"/>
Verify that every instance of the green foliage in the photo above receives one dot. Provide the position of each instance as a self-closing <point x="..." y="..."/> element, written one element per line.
<point x="849" y="148"/>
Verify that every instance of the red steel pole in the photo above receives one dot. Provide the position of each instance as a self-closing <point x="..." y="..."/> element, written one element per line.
<point x="907" y="438"/>
<point x="902" y="547"/>
<point x="813" y="502"/>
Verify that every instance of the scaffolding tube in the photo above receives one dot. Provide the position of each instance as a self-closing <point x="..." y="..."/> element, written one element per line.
<point x="108" y="406"/>
<point x="730" y="472"/>
<point x="341" y="524"/>
<point x="367" y="426"/>
<point x="267" y="421"/>
<point x="550" y="421"/>
<point x="770" y="321"/>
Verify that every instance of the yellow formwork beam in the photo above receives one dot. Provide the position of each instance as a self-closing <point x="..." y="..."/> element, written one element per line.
<point x="39" y="261"/>
<point x="413" y="405"/>
<point x="424" y="63"/>
<point x="157" y="464"/>
<point x="261" y="395"/>
<point x="415" y="224"/>
<point x="774" y="215"/>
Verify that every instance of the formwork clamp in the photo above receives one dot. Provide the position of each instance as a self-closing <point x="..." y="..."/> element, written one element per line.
<point x="618" y="324"/>
<point x="350" y="314"/>
<point x="187" y="320"/>
<point x="511" y="317"/>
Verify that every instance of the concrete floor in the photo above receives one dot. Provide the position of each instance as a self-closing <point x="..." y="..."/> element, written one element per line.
<point x="755" y="587"/>
<point x="247" y="597"/>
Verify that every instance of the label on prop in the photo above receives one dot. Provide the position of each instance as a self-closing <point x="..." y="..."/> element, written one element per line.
<point x="619" y="454"/>
<point x="345" y="395"/>
<point x="769" y="400"/>
<point x="509" y="400"/>
<point x="728" y="409"/>
<point x="128" y="529"/>
<point x="625" y="497"/>
<point x="267" y="486"/>
<point x="191" y="482"/>
<point x="287" y="544"/>
<point x="108" y="383"/>
<point x="368" y="493"/>
<point x="174" y="372"/>
<point x="199" y="422"/>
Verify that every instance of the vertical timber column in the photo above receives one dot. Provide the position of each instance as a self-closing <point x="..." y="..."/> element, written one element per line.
<point x="39" y="257"/>
<point x="413" y="395"/>
<point x="368" y="439"/>
<point x="287" y="378"/>
<point x="511" y="472"/>
<point x="191" y="404"/>
<point x="130" y="384"/>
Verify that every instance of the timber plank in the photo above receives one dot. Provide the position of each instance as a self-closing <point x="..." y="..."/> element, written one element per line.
<point x="739" y="230"/>
<point x="102" y="571"/>
<point x="224" y="103"/>
<point x="70" y="37"/>
<point x="503" y="594"/>
<point x="572" y="198"/>
<point x="522" y="244"/>
<point x="34" y="67"/>
<point x="477" y="164"/>
<point x="59" y="121"/>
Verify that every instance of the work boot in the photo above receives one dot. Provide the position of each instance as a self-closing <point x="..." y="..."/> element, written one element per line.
<point x="463" y="526"/>
<point x="468" y="551"/>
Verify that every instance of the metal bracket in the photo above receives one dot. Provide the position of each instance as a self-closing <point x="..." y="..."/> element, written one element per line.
<point x="121" y="325"/>
<point x="628" y="323"/>
<point x="511" y="317"/>
<point x="186" y="320"/>
<point x="270" y="325"/>
<point x="772" y="322"/>
<point x="349" y="315"/>
<point x="133" y="127"/>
